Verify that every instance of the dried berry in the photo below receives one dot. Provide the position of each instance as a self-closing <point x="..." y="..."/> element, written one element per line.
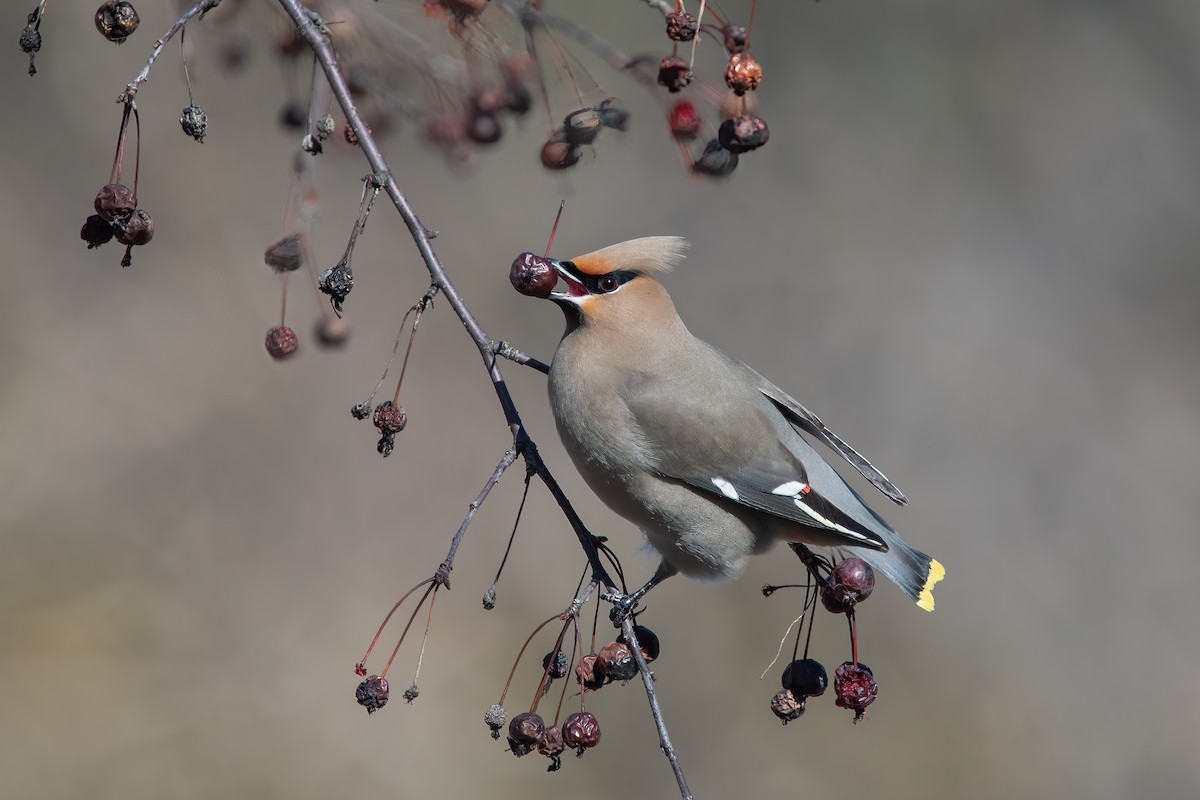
<point x="743" y="73"/>
<point x="494" y="718"/>
<point x="674" y="73"/>
<point x="31" y="37"/>
<point x="194" y="122"/>
<point x="785" y="706"/>
<point x="96" y="231"/>
<point x="389" y="417"/>
<point x="612" y="115"/>
<point x="556" y="665"/>
<point x="716" y="161"/>
<point x="324" y="127"/>
<point x="333" y="331"/>
<point x="282" y="342"/>
<point x="293" y="116"/>
<point x="557" y="154"/>
<point x="287" y="254"/>
<point x="585" y="673"/>
<point x="551" y="746"/>
<point x="372" y="693"/>
<point x="518" y="99"/>
<point x="855" y="687"/>
<point x="115" y="201"/>
<point x="805" y="677"/>
<point x="532" y="275"/>
<point x="685" y="124"/>
<point x="483" y="127"/>
<point x="647" y="641"/>
<point x="743" y="134"/>
<point x="386" y="444"/>
<point x="615" y="662"/>
<point x="581" y="127"/>
<point x="526" y="728"/>
<point x="116" y="20"/>
<point x="581" y="731"/>
<point x="736" y="38"/>
<point x="135" y="230"/>
<point x="337" y="281"/>
<point x="681" y="26"/>
<point x="361" y="410"/>
<point x="411" y="693"/>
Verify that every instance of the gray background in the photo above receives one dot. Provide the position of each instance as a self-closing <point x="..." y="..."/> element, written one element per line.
<point x="970" y="246"/>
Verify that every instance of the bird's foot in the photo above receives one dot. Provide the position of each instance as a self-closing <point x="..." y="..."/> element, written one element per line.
<point x="623" y="605"/>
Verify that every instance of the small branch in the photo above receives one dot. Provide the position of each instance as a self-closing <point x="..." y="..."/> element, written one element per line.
<point x="131" y="89"/>
<point x="506" y="461"/>
<point x="506" y="350"/>
<point x="664" y="738"/>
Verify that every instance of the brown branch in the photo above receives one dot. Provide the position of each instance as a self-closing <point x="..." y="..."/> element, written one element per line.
<point x="131" y="89"/>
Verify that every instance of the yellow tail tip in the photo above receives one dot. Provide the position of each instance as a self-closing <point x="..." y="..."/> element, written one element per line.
<point x="936" y="573"/>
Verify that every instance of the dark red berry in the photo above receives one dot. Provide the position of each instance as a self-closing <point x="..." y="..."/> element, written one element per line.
<point x="115" y="201"/>
<point x="736" y="38"/>
<point x="389" y="417"/>
<point x="518" y="99"/>
<point x="786" y="706"/>
<point x="282" y="342"/>
<point x="372" y="693"/>
<point x="743" y="133"/>
<point x="293" y="116"/>
<point x="852" y="580"/>
<point x="96" y="231"/>
<point x="286" y="255"/>
<point x="532" y="275"/>
<point x="333" y="331"/>
<point x="135" y="230"/>
<point x="855" y="687"/>
<point x="674" y="73"/>
<point x="685" y="124"/>
<point x="116" y="20"/>
<point x="615" y="662"/>
<point x="585" y="673"/>
<point x="715" y="161"/>
<point x="581" y="731"/>
<point x="484" y="128"/>
<point x="526" y="728"/>
<point x="551" y="746"/>
<point x="556" y="665"/>
<point x="647" y="641"/>
<point x="743" y="73"/>
<point x="681" y="26"/>
<point x="805" y="677"/>
<point x="557" y="154"/>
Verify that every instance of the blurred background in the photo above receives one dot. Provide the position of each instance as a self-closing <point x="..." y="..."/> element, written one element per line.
<point x="969" y="246"/>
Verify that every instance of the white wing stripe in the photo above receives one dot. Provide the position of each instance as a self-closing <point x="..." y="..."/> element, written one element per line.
<point x="726" y="488"/>
<point x="800" y="504"/>
<point x="790" y="488"/>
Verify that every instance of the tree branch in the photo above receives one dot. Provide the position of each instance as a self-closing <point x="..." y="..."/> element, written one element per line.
<point x="201" y="8"/>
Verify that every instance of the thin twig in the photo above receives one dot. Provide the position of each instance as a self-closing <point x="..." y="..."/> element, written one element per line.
<point x="506" y="461"/>
<point x="131" y="89"/>
<point x="664" y="738"/>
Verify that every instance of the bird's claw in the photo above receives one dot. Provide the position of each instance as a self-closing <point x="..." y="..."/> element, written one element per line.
<point x="623" y="606"/>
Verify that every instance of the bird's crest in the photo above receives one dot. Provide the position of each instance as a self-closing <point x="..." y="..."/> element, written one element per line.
<point x="648" y="254"/>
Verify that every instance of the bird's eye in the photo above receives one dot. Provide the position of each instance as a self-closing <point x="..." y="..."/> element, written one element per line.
<point x="607" y="283"/>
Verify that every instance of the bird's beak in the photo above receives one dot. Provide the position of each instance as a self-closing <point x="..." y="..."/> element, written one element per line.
<point x="572" y="289"/>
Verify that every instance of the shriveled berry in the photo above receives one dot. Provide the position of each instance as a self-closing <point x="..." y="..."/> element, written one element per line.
<point x="736" y="38"/>
<point x="337" y="281"/>
<point x="194" y="122"/>
<point x="361" y="410"/>
<point x="389" y="417"/>
<point x="286" y="255"/>
<point x="852" y="581"/>
<point x="681" y="26"/>
<point x="333" y="331"/>
<point x="715" y="161"/>
<point x="674" y="73"/>
<point x="647" y="641"/>
<point x="556" y="665"/>
<point x="612" y="115"/>
<point x="787" y="706"/>
<point x="282" y="342"/>
<point x="805" y="677"/>
<point x="855" y="687"/>
<point x="483" y="127"/>
<point x="412" y="693"/>
<point x="135" y="230"/>
<point x="31" y="38"/>
<point x="495" y="718"/>
<point x="551" y="746"/>
<point x="743" y="73"/>
<point x="386" y="444"/>
<point x="581" y="127"/>
<point x="557" y="154"/>
<point x="743" y="134"/>
<point x="526" y="728"/>
<point x="581" y="731"/>
<point x="532" y="275"/>
<point x="372" y="693"/>
<point x="115" y="201"/>
<point x="324" y="127"/>
<point x="615" y="662"/>
<point x="96" y="231"/>
<point x="585" y="673"/>
<point x="518" y="99"/>
<point x="293" y="116"/>
<point x="685" y="123"/>
<point x="116" y="20"/>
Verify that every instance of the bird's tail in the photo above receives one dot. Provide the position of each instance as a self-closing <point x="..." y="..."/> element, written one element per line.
<point x="910" y="569"/>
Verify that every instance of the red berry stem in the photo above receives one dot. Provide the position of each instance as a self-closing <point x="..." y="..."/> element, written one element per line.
<point x="554" y="229"/>
<point x="360" y="667"/>
<point x="425" y="638"/>
<point x="541" y="689"/>
<point x="433" y="587"/>
<point x="853" y="637"/>
<point x="114" y="174"/>
<point x="420" y="309"/>
<point x="513" y="671"/>
<point x="283" y="303"/>
<point x="570" y="667"/>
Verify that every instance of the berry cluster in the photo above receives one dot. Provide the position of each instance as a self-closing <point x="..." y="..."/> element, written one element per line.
<point x="849" y="582"/>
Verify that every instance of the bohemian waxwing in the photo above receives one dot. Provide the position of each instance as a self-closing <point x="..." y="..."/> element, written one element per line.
<point x="691" y="445"/>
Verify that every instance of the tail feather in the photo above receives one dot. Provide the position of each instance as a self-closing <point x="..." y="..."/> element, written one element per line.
<point x="910" y="569"/>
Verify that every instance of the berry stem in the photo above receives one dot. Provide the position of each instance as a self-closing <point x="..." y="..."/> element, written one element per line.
<point x="114" y="174"/>
<point x="853" y="636"/>
<point x="362" y="662"/>
<point x="513" y="671"/>
<point x="186" y="77"/>
<point x="283" y="303"/>
<point x="420" y="309"/>
<point x="425" y="638"/>
<point x="512" y="536"/>
<point x="554" y="229"/>
<point x="413" y="616"/>
<point x="544" y="685"/>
